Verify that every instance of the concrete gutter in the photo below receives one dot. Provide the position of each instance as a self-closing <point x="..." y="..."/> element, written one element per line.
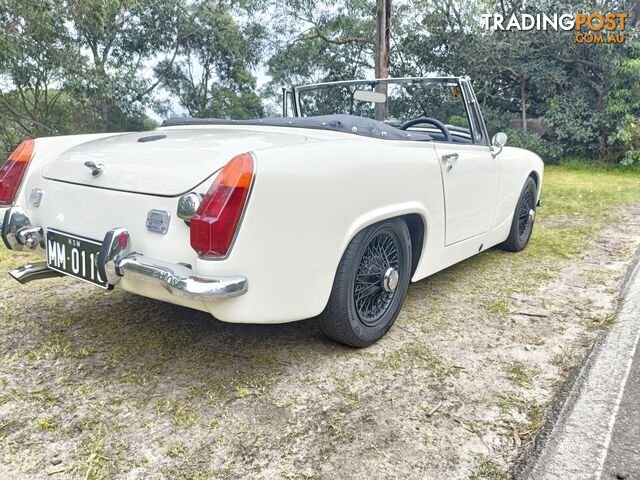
<point x="575" y="445"/>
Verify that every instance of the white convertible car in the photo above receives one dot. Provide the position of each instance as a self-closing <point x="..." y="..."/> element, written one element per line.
<point x="330" y="211"/>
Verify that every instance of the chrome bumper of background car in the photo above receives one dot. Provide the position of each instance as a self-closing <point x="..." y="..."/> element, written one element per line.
<point x="116" y="261"/>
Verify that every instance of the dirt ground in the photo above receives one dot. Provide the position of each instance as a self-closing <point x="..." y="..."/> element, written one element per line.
<point x="111" y="385"/>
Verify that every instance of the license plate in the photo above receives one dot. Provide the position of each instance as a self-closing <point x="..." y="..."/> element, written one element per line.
<point x="74" y="256"/>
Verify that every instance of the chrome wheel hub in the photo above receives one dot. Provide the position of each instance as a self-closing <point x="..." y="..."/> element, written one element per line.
<point x="390" y="280"/>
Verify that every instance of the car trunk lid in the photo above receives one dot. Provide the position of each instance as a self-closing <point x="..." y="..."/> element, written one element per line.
<point x="164" y="162"/>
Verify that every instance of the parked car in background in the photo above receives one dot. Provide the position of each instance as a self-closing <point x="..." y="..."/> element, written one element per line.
<point x="330" y="211"/>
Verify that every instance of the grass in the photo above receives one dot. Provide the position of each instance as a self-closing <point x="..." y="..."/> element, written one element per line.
<point x="46" y="423"/>
<point x="119" y="353"/>
<point x="577" y="204"/>
<point x="565" y="360"/>
<point x="531" y="410"/>
<point x="520" y="375"/>
<point x="488" y="470"/>
<point x="581" y="199"/>
<point x="418" y="356"/>
<point x="588" y="192"/>
<point x="500" y="306"/>
<point x="578" y="163"/>
<point x="304" y="475"/>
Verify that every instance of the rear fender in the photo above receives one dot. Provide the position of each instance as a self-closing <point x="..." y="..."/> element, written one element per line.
<point x="46" y="150"/>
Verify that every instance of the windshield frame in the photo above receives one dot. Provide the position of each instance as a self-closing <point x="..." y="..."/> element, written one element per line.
<point x="476" y="122"/>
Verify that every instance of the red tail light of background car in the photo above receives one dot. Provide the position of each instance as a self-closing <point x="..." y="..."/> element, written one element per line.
<point x="13" y="170"/>
<point x="214" y="225"/>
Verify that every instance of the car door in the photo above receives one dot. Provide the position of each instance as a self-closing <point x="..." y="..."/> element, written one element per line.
<point x="470" y="181"/>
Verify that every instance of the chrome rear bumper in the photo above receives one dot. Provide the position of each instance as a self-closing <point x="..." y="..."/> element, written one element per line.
<point x="116" y="261"/>
<point x="179" y="280"/>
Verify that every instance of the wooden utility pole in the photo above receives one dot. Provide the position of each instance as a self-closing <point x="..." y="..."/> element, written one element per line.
<point x="382" y="52"/>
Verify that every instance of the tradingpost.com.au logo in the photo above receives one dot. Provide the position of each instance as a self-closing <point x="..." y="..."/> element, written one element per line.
<point x="589" y="27"/>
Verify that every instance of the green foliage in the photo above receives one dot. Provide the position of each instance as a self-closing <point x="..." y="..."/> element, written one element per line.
<point x="579" y="91"/>
<point x="628" y="135"/>
<point x="103" y="65"/>
<point x="535" y="143"/>
<point x="119" y="36"/>
<point x="222" y="85"/>
<point x="458" y="121"/>
<point x="34" y="46"/>
<point x="575" y="123"/>
<point x="82" y="66"/>
<point x="623" y="104"/>
<point x="321" y="42"/>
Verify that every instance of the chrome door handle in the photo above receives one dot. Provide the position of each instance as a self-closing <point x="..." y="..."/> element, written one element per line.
<point x="450" y="159"/>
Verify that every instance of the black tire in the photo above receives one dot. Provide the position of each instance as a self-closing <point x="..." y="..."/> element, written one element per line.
<point x="364" y="303"/>
<point x="523" y="219"/>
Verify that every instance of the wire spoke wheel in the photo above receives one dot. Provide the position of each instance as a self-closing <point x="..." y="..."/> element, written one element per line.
<point x="377" y="277"/>
<point x="370" y="285"/>
<point x="526" y="214"/>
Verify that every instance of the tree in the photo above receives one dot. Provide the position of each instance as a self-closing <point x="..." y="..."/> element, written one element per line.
<point x="120" y="37"/>
<point x="566" y="86"/>
<point x="212" y="75"/>
<point x="34" y="48"/>
<point x="74" y="67"/>
<point x="313" y="42"/>
<point x="101" y="65"/>
<point x="382" y="52"/>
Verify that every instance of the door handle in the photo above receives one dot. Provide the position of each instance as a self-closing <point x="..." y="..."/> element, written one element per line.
<point x="450" y="159"/>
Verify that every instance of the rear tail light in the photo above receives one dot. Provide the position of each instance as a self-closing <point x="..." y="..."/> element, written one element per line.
<point x="214" y="225"/>
<point x="13" y="170"/>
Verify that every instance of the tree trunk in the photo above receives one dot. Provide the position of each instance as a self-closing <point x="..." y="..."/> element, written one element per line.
<point x="104" y="115"/>
<point x="523" y="99"/>
<point x="382" y="52"/>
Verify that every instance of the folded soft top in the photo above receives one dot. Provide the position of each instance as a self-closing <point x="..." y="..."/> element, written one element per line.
<point x="338" y="122"/>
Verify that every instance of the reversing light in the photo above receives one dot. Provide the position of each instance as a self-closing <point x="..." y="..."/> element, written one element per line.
<point x="213" y="226"/>
<point x="13" y="171"/>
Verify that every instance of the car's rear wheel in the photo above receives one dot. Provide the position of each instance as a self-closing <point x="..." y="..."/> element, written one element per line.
<point x="370" y="285"/>
<point x="523" y="218"/>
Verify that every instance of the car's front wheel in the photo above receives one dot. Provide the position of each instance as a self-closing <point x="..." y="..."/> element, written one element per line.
<point x="370" y="285"/>
<point x="523" y="218"/>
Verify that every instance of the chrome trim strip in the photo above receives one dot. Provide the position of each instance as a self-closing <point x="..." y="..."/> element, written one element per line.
<point x="33" y="271"/>
<point x="180" y="281"/>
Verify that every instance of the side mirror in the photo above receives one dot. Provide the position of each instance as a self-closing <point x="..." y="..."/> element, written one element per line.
<point x="498" y="141"/>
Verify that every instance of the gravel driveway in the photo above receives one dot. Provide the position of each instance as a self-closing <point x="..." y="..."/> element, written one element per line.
<point x="111" y="385"/>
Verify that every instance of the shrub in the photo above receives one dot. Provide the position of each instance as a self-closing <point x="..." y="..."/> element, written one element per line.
<point x="549" y="152"/>
<point x="627" y="137"/>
